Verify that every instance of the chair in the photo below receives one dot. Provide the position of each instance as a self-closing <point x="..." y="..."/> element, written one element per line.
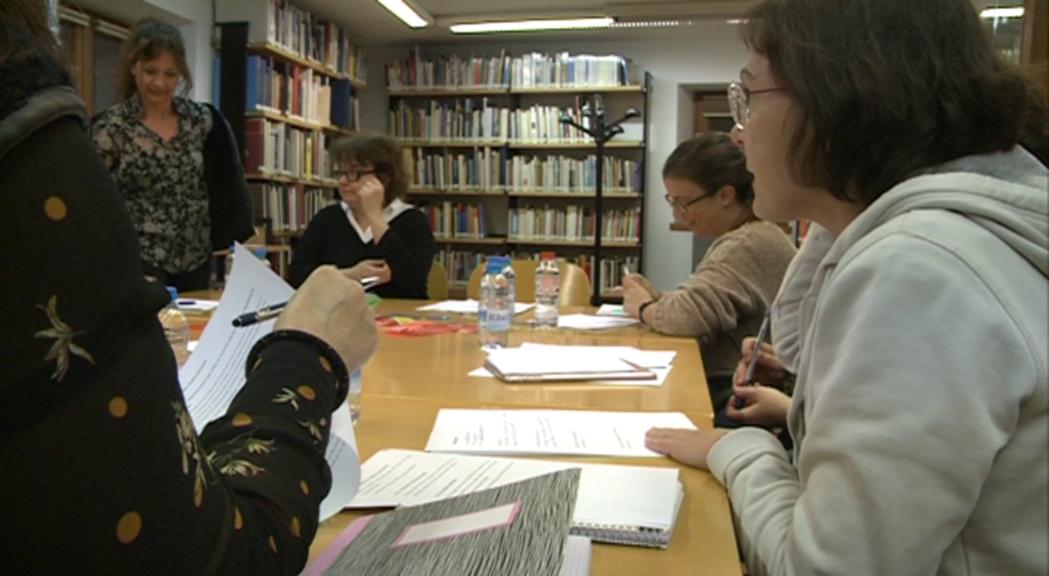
<point x="574" y="290"/>
<point x="437" y="282"/>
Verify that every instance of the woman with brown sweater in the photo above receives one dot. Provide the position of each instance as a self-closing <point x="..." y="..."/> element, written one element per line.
<point x="724" y="300"/>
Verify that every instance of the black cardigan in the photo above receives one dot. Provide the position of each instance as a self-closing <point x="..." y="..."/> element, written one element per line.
<point x="102" y="470"/>
<point x="407" y="247"/>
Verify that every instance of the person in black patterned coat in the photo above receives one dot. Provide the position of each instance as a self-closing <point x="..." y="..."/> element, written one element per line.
<point x="102" y="470"/>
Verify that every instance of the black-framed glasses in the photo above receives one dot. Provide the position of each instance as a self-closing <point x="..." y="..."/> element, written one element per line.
<point x="351" y="174"/>
<point x="739" y="101"/>
<point x="674" y="203"/>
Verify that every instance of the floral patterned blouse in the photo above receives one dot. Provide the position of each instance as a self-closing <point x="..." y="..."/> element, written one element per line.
<point x="102" y="470"/>
<point x="162" y="182"/>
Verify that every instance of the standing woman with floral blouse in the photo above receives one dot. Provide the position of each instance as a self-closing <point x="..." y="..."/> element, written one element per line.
<point x="174" y="160"/>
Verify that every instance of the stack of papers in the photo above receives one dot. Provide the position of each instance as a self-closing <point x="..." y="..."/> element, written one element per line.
<point x="562" y="363"/>
<point x="592" y="364"/>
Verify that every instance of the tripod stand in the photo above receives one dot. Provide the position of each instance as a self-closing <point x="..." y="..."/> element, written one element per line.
<point x="601" y="131"/>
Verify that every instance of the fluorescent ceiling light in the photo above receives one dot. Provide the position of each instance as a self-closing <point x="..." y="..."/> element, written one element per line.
<point x="410" y="14"/>
<point x="1017" y="12"/>
<point x="532" y="25"/>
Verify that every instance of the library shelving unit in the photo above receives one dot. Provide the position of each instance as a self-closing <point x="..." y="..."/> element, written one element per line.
<point x="288" y="87"/>
<point x="497" y="172"/>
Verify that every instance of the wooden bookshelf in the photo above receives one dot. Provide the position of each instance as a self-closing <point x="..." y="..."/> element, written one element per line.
<point x="489" y="241"/>
<point x="571" y="243"/>
<point x="285" y="179"/>
<point x="458" y="173"/>
<point x="276" y="51"/>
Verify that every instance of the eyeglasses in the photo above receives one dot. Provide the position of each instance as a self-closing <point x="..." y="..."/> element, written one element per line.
<point x="739" y="101"/>
<point x="351" y="174"/>
<point x="674" y="203"/>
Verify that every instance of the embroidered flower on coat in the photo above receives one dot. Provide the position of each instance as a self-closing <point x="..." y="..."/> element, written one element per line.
<point x="187" y="437"/>
<point x="232" y="463"/>
<point x="63" y="345"/>
<point x="287" y="396"/>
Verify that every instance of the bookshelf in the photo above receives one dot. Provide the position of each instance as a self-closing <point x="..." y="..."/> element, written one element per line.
<point x="288" y="85"/>
<point x="497" y="171"/>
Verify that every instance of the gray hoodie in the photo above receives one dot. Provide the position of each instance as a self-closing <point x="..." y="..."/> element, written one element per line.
<point x="921" y="412"/>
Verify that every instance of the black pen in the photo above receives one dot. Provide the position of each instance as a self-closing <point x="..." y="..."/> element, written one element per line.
<point x="749" y="377"/>
<point x="273" y="310"/>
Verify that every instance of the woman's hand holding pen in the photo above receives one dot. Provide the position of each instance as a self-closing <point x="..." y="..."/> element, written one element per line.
<point x="333" y="308"/>
<point x="759" y="402"/>
<point x="369" y="268"/>
<point x="637" y="291"/>
<point x="768" y="369"/>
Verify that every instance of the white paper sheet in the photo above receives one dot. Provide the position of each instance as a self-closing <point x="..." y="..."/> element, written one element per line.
<point x="609" y="494"/>
<point x="661" y="377"/>
<point x="589" y="322"/>
<point x="467" y="307"/>
<point x="561" y="432"/>
<point x="214" y="372"/>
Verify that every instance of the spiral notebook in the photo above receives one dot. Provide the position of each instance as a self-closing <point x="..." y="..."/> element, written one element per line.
<point x="634" y="505"/>
<point x="515" y="529"/>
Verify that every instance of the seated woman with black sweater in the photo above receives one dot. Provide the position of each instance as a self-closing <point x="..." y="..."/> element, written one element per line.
<point x="371" y="232"/>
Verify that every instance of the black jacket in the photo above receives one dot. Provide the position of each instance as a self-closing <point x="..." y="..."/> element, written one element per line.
<point x="229" y="204"/>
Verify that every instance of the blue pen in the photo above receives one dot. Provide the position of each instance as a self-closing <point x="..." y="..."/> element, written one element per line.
<point x="273" y="310"/>
<point x="749" y="377"/>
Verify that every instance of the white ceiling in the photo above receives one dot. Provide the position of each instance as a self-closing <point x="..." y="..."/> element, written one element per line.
<point x="373" y="25"/>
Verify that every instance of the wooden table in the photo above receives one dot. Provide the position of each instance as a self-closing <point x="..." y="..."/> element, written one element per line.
<point x="703" y="542"/>
<point x="436" y="367"/>
<point x="409" y="379"/>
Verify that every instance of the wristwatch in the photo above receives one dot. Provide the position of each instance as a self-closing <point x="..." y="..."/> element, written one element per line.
<point x="641" y="310"/>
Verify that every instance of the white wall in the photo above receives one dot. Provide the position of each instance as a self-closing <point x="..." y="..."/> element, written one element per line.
<point x="709" y="53"/>
<point x="196" y="26"/>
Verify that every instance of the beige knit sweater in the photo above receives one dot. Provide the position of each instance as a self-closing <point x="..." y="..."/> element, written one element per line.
<point x="726" y="297"/>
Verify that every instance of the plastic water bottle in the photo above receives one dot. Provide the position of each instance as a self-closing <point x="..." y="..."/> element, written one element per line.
<point x="176" y="327"/>
<point x="354" y="397"/>
<point x="496" y="311"/>
<point x="547" y="286"/>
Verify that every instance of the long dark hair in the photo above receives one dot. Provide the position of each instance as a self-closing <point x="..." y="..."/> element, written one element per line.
<point x="149" y="38"/>
<point x="24" y="16"/>
<point x="712" y="161"/>
<point x="886" y="88"/>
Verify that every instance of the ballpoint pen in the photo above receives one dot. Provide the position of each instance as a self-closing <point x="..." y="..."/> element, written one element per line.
<point x="749" y="376"/>
<point x="273" y="310"/>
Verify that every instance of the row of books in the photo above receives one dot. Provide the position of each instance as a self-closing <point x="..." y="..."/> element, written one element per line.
<point x="461" y="263"/>
<point x="476" y="119"/>
<point x="573" y="223"/>
<point x="279" y="149"/>
<point x="276" y="86"/>
<point x="538" y="70"/>
<point x="533" y="70"/>
<point x="485" y="169"/>
<point x="288" y="207"/>
<point x="456" y="219"/>
<point x="298" y="31"/>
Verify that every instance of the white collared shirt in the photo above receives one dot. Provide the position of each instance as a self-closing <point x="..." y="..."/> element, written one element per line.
<point x="391" y="211"/>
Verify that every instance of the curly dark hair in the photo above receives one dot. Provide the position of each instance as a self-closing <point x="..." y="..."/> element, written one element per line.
<point x="149" y="38"/>
<point x="712" y="161"/>
<point x="382" y="152"/>
<point x="886" y="88"/>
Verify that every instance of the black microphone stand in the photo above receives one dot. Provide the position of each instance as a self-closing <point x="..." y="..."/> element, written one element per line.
<point x="601" y="131"/>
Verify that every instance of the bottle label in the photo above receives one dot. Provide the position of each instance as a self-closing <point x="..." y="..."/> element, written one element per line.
<point x="499" y="320"/>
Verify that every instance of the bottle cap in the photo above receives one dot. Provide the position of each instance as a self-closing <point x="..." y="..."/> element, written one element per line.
<point x="497" y="263"/>
<point x="547" y="256"/>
